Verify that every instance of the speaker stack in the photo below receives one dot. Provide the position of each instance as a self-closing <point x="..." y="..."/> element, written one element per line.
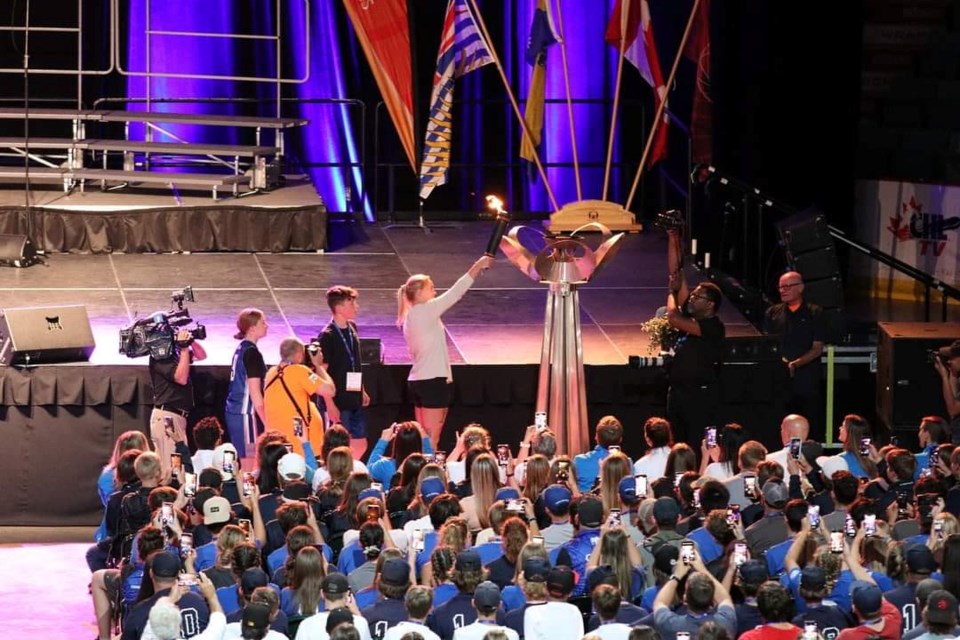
<point x="811" y="252"/>
<point x="908" y="386"/>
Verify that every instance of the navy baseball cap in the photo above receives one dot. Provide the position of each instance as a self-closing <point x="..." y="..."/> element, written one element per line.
<point x="920" y="559"/>
<point x="395" y="572"/>
<point x="469" y="560"/>
<point x="628" y="490"/>
<point x="430" y="488"/>
<point x="754" y="572"/>
<point x="866" y="597"/>
<point x="561" y="581"/>
<point x="487" y="595"/>
<point x="666" y="510"/>
<point x="335" y="584"/>
<point x="556" y="496"/>
<point x="536" y="570"/>
<point x="665" y="558"/>
<point x="165" y="565"/>
<point x="337" y="617"/>
<point x="604" y="574"/>
<point x="590" y="511"/>
<point x="253" y="578"/>
<point x="813" y="578"/>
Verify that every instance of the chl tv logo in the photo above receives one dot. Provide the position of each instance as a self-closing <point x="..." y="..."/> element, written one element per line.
<point x="53" y="323"/>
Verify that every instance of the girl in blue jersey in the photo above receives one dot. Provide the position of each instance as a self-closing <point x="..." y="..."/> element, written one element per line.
<point x="244" y="411"/>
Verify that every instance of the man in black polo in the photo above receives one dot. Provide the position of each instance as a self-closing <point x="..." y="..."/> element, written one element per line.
<point x="802" y="333"/>
<point x="173" y="396"/>
<point x="694" y="373"/>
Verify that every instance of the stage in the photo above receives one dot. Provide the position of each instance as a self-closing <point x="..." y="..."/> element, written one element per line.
<point x="72" y="412"/>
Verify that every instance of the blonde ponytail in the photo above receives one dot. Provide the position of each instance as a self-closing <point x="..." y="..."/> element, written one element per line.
<point x="407" y="294"/>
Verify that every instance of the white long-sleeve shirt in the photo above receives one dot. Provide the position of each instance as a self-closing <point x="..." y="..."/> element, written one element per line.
<point x="425" y="334"/>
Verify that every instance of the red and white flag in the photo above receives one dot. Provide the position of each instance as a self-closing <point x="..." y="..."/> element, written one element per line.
<point x="632" y="19"/>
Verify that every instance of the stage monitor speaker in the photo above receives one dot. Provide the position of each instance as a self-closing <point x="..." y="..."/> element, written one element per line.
<point x="37" y="335"/>
<point x="17" y="251"/>
<point x="371" y="351"/>
<point x="908" y="387"/>
<point x="805" y="231"/>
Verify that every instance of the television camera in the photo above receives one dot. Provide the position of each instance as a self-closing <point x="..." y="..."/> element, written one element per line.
<point x="156" y="335"/>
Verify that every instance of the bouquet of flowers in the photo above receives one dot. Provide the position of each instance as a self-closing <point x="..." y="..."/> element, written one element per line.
<point x="663" y="335"/>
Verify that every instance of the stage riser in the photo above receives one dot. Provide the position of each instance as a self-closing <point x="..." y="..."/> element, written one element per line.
<point x="226" y="227"/>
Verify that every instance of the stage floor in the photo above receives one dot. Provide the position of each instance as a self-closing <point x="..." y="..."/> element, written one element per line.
<point x="500" y="321"/>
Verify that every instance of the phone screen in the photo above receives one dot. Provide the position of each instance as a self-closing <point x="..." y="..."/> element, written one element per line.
<point x="850" y="526"/>
<point x="189" y="484"/>
<point x="228" y="459"/>
<point x="740" y="553"/>
<point x="186" y="542"/>
<point x="864" y="446"/>
<point x="418" y="539"/>
<point x="711" y="437"/>
<point x="677" y="477"/>
<point x="696" y="498"/>
<point x="248" y="482"/>
<point x="540" y="420"/>
<point x="537" y="540"/>
<point x="795" y="444"/>
<point x="733" y="515"/>
<point x="175" y="461"/>
<point x="515" y="506"/>
<point x="870" y="524"/>
<point x="503" y="454"/>
<point x="166" y="513"/>
<point x="641" y="484"/>
<point x="813" y="513"/>
<point x="836" y="541"/>
<point x="613" y="449"/>
<point x="377" y="485"/>
<point x="298" y="426"/>
<point x="440" y="457"/>
<point x="687" y="552"/>
<point x="750" y="486"/>
<point x="614" y="518"/>
<point x="246" y="525"/>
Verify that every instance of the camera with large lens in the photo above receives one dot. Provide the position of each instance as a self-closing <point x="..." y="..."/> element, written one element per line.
<point x="156" y="335"/>
<point x="314" y="347"/>
<point x="935" y="354"/>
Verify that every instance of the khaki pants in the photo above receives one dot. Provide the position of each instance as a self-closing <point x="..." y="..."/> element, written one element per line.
<point x="162" y="443"/>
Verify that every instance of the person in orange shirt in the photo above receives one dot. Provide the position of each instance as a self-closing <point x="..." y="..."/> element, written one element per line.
<point x="288" y="393"/>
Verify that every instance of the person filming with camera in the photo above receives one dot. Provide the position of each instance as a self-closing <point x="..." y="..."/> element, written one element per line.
<point x="947" y="363"/>
<point x="173" y="395"/>
<point x="288" y="391"/>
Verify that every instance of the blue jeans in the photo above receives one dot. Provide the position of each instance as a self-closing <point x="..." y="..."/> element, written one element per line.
<point x="355" y="422"/>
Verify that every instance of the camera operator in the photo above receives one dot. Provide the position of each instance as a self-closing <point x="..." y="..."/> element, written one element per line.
<point x="694" y="373"/>
<point x="947" y="363"/>
<point x="173" y="395"/>
<point x="287" y="395"/>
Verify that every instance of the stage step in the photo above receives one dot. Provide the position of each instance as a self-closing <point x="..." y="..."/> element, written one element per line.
<point x="93" y="115"/>
<point x="172" y="148"/>
<point x="212" y="181"/>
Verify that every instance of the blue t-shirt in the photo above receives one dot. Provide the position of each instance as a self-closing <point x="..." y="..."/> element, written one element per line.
<point x="512" y="597"/>
<point x="366" y="597"/>
<point x="776" y="555"/>
<point x="290" y="606"/>
<point x="206" y="556"/>
<point x="430" y="539"/>
<point x="588" y="466"/>
<point x="351" y="557"/>
<point x="489" y="551"/>
<point x="443" y="592"/>
<point x="853" y="465"/>
<point x="709" y="549"/>
<point x="382" y="469"/>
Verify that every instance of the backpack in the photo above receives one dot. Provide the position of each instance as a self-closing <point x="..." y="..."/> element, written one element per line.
<point x="134" y="515"/>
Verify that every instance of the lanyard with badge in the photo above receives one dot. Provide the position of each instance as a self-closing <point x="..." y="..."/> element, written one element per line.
<point x="354" y="378"/>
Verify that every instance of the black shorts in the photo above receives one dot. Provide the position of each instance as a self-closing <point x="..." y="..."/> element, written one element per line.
<point x="435" y="393"/>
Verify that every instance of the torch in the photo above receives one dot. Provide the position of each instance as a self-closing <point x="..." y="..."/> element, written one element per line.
<point x="503" y="219"/>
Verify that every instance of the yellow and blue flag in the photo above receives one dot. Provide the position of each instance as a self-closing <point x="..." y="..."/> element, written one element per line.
<point x="542" y="35"/>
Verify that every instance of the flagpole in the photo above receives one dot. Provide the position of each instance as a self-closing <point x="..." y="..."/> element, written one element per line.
<point x="566" y="82"/>
<point x="624" y="17"/>
<point x="478" y="18"/>
<point x="663" y="104"/>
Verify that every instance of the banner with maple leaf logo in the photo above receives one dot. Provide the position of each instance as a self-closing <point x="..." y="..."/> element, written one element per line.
<point x="916" y="223"/>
